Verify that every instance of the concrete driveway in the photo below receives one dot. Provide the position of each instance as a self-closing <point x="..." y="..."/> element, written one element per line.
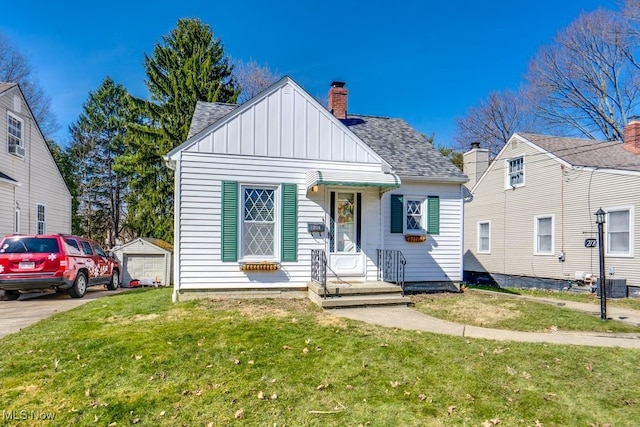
<point x="30" y="308"/>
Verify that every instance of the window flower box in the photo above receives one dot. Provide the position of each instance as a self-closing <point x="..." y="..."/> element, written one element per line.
<point x="415" y="238"/>
<point x="259" y="266"/>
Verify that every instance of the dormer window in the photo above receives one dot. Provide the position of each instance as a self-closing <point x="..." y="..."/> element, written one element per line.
<point x="15" y="140"/>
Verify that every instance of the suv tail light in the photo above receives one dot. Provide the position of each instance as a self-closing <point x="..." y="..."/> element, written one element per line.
<point x="63" y="261"/>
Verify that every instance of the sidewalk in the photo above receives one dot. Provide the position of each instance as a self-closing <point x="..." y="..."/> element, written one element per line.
<point x="407" y="318"/>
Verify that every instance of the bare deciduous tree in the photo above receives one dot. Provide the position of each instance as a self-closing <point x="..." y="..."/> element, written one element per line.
<point x="587" y="81"/>
<point x="493" y="121"/>
<point x="252" y="78"/>
<point x="15" y="68"/>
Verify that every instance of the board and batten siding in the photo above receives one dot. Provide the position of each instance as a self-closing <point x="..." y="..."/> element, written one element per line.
<point x="37" y="172"/>
<point x="285" y="124"/>
<point x="439" y="258"/>
<point x="199" y="264"/>
<point x="570" y="196"/>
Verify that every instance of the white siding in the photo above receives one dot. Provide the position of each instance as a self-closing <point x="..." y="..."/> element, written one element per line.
<point x="199" y="265"/>
<point x="140" y="247"/>
<point x="285" y="124"/>
<point x="439" y="258"/>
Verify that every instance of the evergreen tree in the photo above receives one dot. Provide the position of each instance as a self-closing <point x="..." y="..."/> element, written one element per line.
<point x="188" y="66"/>
<point x="97" y="139"/>
<point x="66" y="168"/>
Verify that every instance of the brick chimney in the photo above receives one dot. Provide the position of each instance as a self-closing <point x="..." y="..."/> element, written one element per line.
<point x="338" y="100"/>
<point x="632" y="135"/>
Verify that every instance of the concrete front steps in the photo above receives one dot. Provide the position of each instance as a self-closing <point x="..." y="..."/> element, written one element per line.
<point x="341" y="294"/>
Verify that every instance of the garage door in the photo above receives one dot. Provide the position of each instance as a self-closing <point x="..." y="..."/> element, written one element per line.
<point x="144" y="267"/>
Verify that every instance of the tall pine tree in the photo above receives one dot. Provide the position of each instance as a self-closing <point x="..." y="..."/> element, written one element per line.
<point x="97" y="140"/>
<point x="188" y="66"/>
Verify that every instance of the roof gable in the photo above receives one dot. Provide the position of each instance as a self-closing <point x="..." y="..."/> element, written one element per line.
<point x="586" y="152"/>
<point x="4" y="86"/>
<point x="572" y="152"/>
<point x="282" y="121"/>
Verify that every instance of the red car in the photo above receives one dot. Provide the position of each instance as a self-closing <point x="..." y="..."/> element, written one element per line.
<point x="58" y="261"/>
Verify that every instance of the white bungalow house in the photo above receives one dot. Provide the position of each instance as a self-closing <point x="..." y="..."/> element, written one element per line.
<point x="280" y="191"/>
<point x="530" y="221"/>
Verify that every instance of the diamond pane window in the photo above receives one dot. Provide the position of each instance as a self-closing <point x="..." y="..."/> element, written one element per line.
<point x="414" y="215"/>
<point x="258" y="222"/>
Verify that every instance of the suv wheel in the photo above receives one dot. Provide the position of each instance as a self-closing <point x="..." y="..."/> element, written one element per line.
<point x="10" y="295"/>
<point x="115" y="281"/>
<point x="79" y="287"/>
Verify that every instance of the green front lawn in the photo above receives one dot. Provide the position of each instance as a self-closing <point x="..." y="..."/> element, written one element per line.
<point x="136" y="358"/>
<point x="499" y="310"/>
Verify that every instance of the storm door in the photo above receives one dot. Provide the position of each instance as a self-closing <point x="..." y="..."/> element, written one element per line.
<point x="345" y="235"/>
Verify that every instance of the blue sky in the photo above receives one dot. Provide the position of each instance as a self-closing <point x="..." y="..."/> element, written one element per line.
<point x="424" y="61"/>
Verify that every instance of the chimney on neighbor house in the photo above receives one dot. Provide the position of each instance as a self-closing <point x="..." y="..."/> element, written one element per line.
<point x="475" y="162"/>
<point x="632" y="135"/>
<point x="338" y="100"/>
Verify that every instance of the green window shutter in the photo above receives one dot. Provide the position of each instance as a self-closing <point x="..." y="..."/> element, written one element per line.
<point x="397" y="213"/>
<point x="229" y="221"/>
<point x="433" y="215"/>
<point x="289" y="222"/>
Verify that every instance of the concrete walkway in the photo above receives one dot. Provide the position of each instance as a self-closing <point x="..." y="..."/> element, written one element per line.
<point x="407" y="318"/>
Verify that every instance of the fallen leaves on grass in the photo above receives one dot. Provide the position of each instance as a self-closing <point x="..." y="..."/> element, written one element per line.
<point x="450" y="410"/>
<point x="239" y="414"/>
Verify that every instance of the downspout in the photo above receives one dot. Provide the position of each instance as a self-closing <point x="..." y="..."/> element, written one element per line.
<point x="381" y="236"/>
<point x="462" y="233"/>
<point x="562" y="208"/>
<point x="175" y="165"/>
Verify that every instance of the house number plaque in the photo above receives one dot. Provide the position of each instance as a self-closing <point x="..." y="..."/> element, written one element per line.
<point x="590" y="243"/>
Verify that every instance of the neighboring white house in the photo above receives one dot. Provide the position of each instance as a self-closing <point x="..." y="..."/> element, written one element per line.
<point x="260" y="185"/>
<point x="145" y="259"/>
<point x="532" y="210"/>
<point x="35" y="198"/>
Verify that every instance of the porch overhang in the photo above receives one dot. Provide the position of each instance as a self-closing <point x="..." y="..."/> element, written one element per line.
<point x="8" y="180"/>
<point x="384" y="181"/>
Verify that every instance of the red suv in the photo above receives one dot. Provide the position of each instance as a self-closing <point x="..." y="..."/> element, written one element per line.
<point x="58" y="261"/>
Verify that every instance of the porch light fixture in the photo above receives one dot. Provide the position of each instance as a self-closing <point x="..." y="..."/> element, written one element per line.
<point x="314" y="189"/>
<point x="600" y="215"/>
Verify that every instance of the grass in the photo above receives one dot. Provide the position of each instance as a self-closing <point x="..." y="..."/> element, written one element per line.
<point x="136" y="358"/>
<point x="499" y="310"/>
<point x="633" y="303"/>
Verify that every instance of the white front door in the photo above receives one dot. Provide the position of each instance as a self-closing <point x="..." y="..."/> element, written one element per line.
<point x="345" y="238"/>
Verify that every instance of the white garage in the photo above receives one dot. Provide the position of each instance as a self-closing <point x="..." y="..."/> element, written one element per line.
<point x="145" y="259"/>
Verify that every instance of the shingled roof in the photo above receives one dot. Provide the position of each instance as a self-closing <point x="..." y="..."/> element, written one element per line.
<point x="406" y="150"/>
<point x="587" y="152"/>
<point x="207" y="113"/>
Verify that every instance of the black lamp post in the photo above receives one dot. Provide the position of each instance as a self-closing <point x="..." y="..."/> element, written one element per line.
<point x="600" y="214"/>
